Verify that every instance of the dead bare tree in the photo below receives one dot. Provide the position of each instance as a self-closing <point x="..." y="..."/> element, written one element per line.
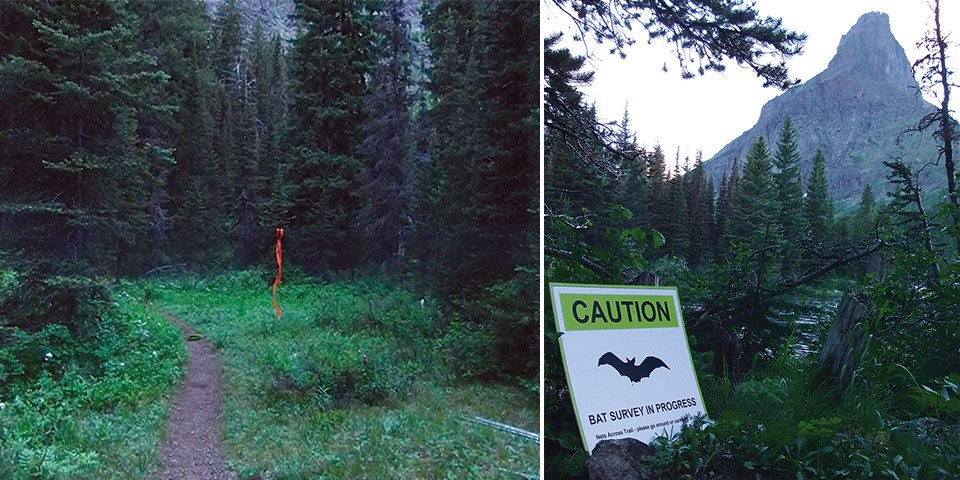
<point x="935" y="80"/>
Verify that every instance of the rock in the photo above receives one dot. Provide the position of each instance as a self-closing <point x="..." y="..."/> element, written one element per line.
<point x="620" y="459"/>
<point x="927" y="430"/>
<point x="855" y="110"/>
<point x="870" y="50"/>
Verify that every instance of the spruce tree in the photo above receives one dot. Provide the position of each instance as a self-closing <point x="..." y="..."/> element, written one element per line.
<point x="632" y="179"/>
<point x="789" y="189"/>
<point x="752" y="221"/>
<point x="577" y="186"/>
<point x="268" y="62"/>
<point x="818" y="206"/>
<point x="658" y="188"/>
<point x="332" y="58"/>
<point x="485" y="155"/>
<point x="273" y="108"/>
<point x="864" y="220"/>
<point x="228" y="40"/>
<point x="699" y="197"/>
<point x="177" y="33"/>
<point x="675" y="227"/>
<point x="722" y="212"/>
<point x="75" y="177"/>
<point x="387" y="146"/>
<point x="705" y="33"/>
<point x="196" y="231"/>
<point x="713" y="231"/>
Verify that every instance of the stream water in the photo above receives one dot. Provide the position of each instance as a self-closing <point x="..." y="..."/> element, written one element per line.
<point x="810" y="316"/>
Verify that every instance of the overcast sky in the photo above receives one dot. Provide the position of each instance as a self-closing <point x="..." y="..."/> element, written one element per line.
<point x="705" y="113"/>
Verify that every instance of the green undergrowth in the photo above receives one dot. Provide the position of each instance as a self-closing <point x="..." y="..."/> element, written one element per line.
<point x="353" y="381"/>
<point x="774" y="425"/>
<point x="87" y="402"/>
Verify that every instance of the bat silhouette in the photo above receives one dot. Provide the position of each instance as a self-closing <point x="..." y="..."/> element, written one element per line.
<point x="630" y="369"/>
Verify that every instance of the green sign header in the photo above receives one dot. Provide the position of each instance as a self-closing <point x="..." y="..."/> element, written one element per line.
<point x="592" y="311"/>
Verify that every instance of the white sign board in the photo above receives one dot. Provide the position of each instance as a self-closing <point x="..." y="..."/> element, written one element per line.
<point x="627" y="361"/>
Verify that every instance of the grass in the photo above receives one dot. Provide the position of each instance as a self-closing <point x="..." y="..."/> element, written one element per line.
<point x="352" y="382"/>
<point x="94" y="404"/>
<point x="774" y="425"/>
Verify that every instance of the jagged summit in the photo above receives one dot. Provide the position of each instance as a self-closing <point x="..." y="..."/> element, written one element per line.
<point x="869" y="49"/>
<point x="855" y="110"/>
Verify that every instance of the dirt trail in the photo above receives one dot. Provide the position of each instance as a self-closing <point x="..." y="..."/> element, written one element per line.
<point x="191" y="449"/>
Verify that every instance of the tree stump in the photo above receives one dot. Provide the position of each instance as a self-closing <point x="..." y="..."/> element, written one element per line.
<point x="844" y="346"/>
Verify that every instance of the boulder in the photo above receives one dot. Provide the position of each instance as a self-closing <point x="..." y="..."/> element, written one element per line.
<point x="620" y="459"/>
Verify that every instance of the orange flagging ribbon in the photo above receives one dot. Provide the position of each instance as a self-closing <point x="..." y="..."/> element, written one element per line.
<point x="279" y="272"/>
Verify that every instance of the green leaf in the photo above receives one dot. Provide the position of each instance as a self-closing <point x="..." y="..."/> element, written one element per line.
<point x="658" y="239"/>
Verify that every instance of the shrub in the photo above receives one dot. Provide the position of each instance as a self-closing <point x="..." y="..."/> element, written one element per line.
<point x="331" y="371"/>
<point x="467" y="348"/>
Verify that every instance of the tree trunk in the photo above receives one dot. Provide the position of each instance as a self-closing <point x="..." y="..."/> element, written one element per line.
<point x="727" y="352"/>
<point x="845" y="345"/>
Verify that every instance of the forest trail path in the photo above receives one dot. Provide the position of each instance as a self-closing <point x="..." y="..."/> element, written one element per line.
<point x="191" y="448"/>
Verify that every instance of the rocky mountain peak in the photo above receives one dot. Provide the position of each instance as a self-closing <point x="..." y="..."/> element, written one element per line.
<point x="870" y="50"/>
<point x="856" y="110"/>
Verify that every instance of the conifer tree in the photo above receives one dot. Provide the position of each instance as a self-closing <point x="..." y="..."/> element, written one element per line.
<point x="625" y="140"/>
<point x="705" y="32"/>
<point x="675" y="227"/>
<point x="658" y="187"/>
<point x="75" y="176"/>
<point x="632" y="179"/>
<point x="907" y="206"/>
<point x="332" y="58"/>
<point x="268" y="63"/>
<point x="864" y="220"/>
<point x="935" y="78"/>
<point x="197" y="231"/>
<point x="576" y="189"/>
<point x="387" y="146"/>
<point x="789" y="191"/>
<point x="699" y="214"/>
<point x="247" y="186"/>
<point x="273" y="111"/>
<point x="198" y="228"/>
<point x="752" y="216"/>
<point x="484" y="154"/>
<point x="818" y="206"/>
<point x="726" y="202"/>
<point x="239" y="127"/>
<point x="713" y="232"/>
<point x="177" y="33"/>
<point x="722" y="212"/>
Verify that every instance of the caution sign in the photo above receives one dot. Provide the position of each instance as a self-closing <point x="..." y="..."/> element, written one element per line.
<point x="627" y="361"/>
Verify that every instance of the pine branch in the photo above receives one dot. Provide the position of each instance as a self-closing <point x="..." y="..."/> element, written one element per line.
<point x="583" y="260"/>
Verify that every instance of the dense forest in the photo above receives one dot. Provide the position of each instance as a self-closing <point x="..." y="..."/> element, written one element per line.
<point x="390" y="139"/>
<point x="826" y="345"/>
<point x="140" y="136"/>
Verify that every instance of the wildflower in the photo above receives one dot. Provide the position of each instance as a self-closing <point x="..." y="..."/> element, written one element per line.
<point x="3" y="405"/>
<point x="48" y="356"/>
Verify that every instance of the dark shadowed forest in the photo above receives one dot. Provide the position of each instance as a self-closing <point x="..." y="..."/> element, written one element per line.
<point x="149" y="149"/>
